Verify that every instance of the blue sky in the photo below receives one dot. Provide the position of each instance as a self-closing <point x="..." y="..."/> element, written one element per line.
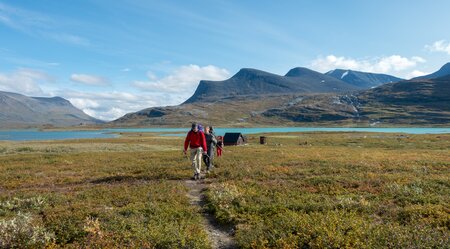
<point x="113" y="57"/>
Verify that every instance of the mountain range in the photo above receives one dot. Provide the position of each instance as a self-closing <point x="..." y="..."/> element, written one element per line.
<point x="252" y="82"/>
<point x="253" y="97"/>
<point x="19" y="111"/>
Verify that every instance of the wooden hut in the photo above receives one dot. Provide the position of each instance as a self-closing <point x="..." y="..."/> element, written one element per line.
<point x="234" y="138"/>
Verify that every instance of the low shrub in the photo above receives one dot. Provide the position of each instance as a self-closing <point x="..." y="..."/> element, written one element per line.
<point x="24" y="231"/>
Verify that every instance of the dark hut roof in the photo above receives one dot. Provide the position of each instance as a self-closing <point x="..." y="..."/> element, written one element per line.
<point x="232" y="137"/>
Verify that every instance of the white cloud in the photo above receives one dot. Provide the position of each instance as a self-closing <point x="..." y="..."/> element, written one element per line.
<point x="24" y="81"/>
<point x="84" y="103"/>
<point x="416" y="73"/>
<point x="89" y="79"/>
<point x="112" y="105"/>
<point x="110" y="114"/>
<point x="182" y="80"/>
<point x="393" y="64"/>
<point x="439" y="46"/>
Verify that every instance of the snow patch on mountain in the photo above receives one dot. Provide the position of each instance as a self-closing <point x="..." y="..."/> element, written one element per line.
<point x="344" y="74"/>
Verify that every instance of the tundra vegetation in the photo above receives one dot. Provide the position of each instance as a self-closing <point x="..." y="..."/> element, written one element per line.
<point x="301" y="190"/>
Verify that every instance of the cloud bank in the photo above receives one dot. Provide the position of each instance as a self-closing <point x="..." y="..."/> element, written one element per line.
<point x="182" y="79"/>
<point x="109" y="105"/>
<point x="171" y="89"/>
<point x="394" y="64"/>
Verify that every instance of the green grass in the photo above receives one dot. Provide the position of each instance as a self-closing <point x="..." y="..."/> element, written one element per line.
<point x="343" y="190"/>
<point x="96" y="197"/>
<point x="306" y="190"/>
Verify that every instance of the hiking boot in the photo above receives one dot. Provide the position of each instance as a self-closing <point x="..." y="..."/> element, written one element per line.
<point x="196" y="176"/>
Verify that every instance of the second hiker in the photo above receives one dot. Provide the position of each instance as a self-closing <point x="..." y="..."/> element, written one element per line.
<point x="211" y="143"/>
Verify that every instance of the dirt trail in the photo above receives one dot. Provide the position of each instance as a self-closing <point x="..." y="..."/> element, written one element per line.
<point x="220" y="235"/>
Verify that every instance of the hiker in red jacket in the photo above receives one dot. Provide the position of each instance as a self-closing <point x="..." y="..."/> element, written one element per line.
<point x="196" y="141"/>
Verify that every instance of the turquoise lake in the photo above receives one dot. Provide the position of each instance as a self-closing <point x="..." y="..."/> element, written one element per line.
<point x="30" y="135"/>
<point x="25" y="135"/>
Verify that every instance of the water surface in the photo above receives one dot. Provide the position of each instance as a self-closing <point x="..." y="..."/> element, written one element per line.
<point x="24" y="135"/>
<point x="222" y="131"/>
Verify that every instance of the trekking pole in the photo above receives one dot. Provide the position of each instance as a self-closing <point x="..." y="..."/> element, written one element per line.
<point x="204" y="157"/>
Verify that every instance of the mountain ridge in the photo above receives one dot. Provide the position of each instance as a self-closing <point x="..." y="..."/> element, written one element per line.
<point x="443" y="71"/>
<point x="362" y="79"/>
<point x="249" y="81"/>
<point x="17" y="110"/>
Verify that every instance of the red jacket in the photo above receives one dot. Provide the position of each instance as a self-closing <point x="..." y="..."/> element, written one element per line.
<point x="195" y="140"/>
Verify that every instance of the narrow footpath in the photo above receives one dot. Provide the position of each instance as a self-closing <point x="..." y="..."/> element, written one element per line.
<point x="220" y="236"/>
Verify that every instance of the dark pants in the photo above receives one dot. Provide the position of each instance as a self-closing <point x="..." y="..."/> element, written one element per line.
<point x="209" y="158"/>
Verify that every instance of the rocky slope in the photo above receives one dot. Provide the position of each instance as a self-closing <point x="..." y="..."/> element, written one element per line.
<point x="411" y="102"/>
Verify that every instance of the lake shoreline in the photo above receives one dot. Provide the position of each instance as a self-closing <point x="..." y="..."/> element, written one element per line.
<point x="39" y="135"/>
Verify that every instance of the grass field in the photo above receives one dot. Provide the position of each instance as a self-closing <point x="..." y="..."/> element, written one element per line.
<point x="308" y="190"/>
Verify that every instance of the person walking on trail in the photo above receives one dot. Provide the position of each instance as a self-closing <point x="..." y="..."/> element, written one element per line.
<point x="196" y="141"/>
<point x="211" y="143"/>
<point x="219" y="146"/>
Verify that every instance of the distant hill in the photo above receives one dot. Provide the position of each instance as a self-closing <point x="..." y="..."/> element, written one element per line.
<point x="362" y="79"/>
<point x="256" y="82"/>
<point x="413" y="102"/>
<point x="19" y="111"/>
<point x="443" y="71"/>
